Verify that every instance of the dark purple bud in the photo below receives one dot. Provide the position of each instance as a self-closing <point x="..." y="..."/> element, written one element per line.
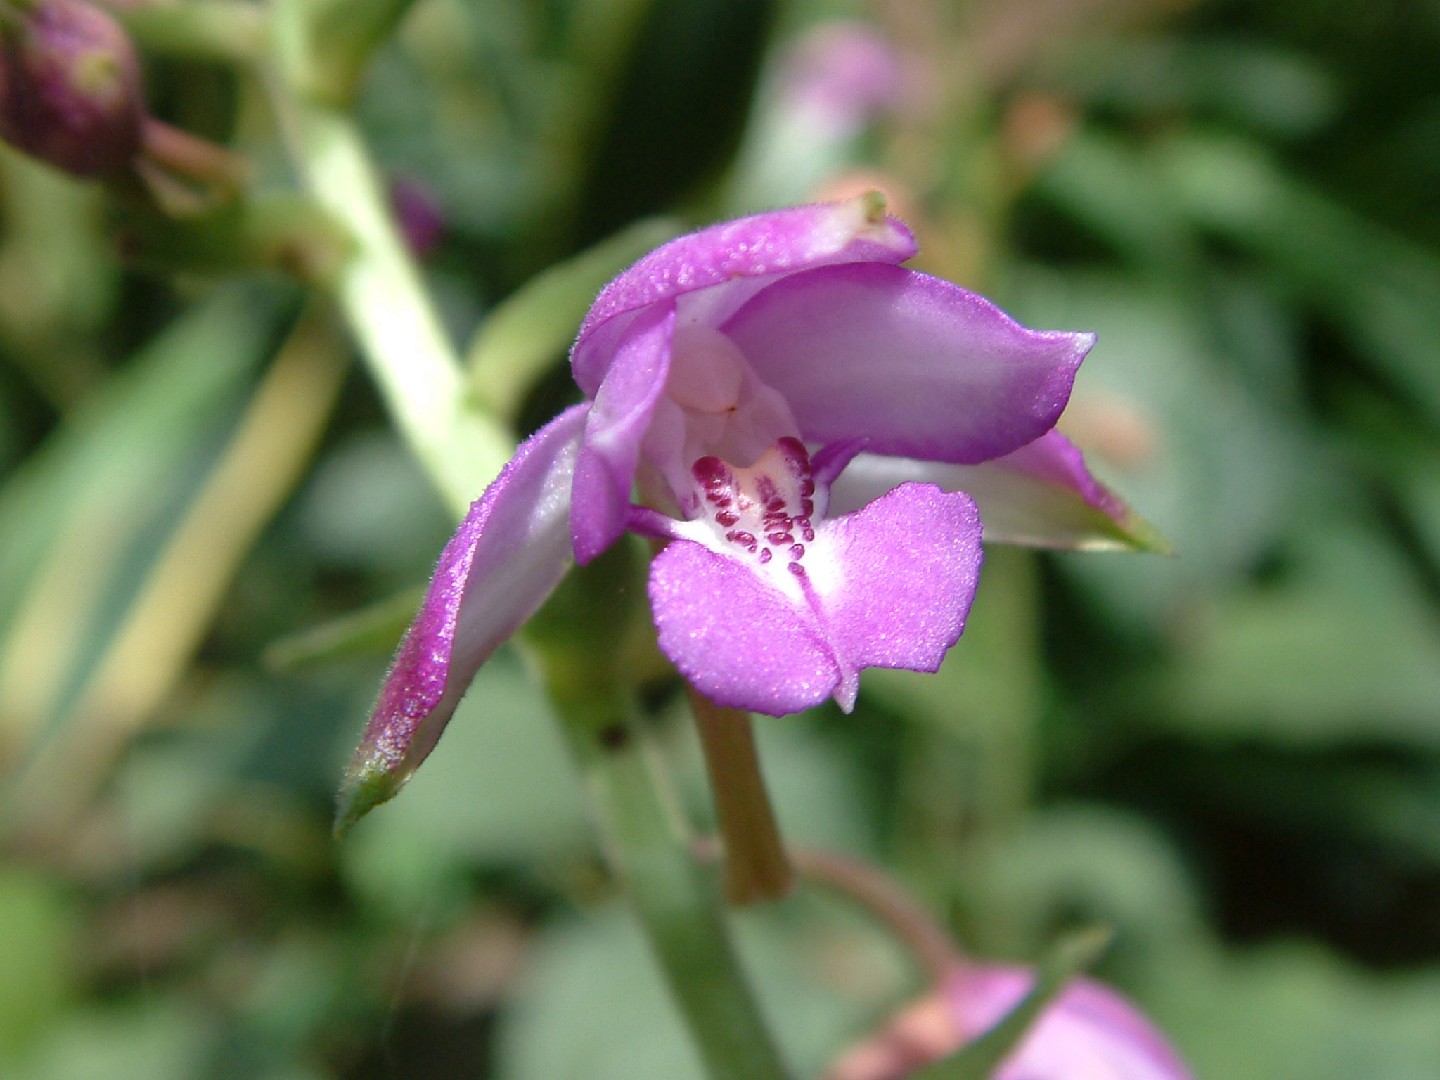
<point x="70" y="90"/>
<point x="418" y="213"/>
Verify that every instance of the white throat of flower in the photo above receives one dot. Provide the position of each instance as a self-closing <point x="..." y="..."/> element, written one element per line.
<point x="714" y="406"/>
<point x="729" y="451"/>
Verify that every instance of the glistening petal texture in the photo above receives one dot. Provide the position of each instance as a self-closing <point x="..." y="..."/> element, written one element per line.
<point x="508" y="554"/>
<point x="763" y="245"/>
<point x="889" y="586"/>
<point x="1041" y="495"/>
<point x="615" y="429"/>
<point x="740" y="641"/>
<point x="919" y="367"/>
<point x="911" y="561"/>
<point x="1088" y="1031"/>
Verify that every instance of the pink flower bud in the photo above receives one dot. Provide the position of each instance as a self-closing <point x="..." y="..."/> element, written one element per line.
<point x="70" y="90"/>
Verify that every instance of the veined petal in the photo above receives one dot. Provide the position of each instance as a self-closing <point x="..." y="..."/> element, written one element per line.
<point x="918" y="366"/>
<point x="1089" y="1030"/>
<point x="615" y="430"/>
<point x="734" y="252"/>
<point x="1041" y="495"/>
<point x="888" y="586"/>
<point x="508" y="554"/>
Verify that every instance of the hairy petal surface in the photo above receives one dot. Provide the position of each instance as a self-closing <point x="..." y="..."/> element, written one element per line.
<point x="1041" y="495"/>
<point x="739" y="640"/>
<point x="507" y="556"/>
<point x="730" y="254"/>
<point x="615" y="429"/>
<point x="917" y="366"/>
<point x="888" y="586"/>
<point x="914" y="559"/>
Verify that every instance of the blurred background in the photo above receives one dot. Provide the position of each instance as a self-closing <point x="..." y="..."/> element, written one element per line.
<point x="1231" y="756"/>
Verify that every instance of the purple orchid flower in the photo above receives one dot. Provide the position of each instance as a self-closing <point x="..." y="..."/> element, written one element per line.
<point x="1088" y="1031"/>
<point x="799" y="415"/>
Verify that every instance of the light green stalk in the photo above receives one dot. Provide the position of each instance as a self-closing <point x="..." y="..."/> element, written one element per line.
<point x="379" y="289"/>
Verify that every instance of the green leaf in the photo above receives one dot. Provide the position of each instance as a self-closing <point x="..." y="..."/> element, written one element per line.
<point x="1344" y="647"/>
<point x="373" y="630"/>
<point x="1163" y="416"/>
<point x="534" y="326"/>
<point x="37" y="959"/>
<point x="1379" y="288"/>
<point x="79" y="521"/>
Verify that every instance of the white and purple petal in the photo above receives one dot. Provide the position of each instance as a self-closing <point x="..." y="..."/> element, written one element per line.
<point x="888" y="586"/>
<point x="918" y="367"/>
<point x="615" y="430"/>
<point x="507" y="556"/>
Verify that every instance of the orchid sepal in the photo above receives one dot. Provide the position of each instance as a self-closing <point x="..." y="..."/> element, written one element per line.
<point x="1042" y="495"/>
<point x="507" y="556"/>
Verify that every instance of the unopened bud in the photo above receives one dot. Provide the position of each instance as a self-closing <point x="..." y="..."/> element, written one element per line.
<point x="70" y="90"/>
<point x="418" y="213"/>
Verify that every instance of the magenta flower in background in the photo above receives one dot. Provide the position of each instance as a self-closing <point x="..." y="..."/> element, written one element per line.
<point x="1089" y="1032"/>
<point x="800" y="417"/>
<point x="838" y="76"/>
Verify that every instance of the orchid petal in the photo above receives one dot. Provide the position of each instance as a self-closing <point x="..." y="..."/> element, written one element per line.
<point x="913" y="560"/>
<point x="918" y="366"/>
<point x="732" y="254"/>
<point x="1088" y="1030"/>
<point x="615" y="430"/>
<point x="507" y="556"/>
<point x="888" y="586"/>
<point x="1041" y="495"/>
<point x="739" y="640"/>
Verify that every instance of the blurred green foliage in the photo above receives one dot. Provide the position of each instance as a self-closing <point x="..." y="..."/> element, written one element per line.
<point x="1232" y="757"/>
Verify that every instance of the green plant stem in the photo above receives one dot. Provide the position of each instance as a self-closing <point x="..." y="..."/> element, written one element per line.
<point x="351" y="31"/>
<point x="231" y="31"/>
<point x="756" y="867"/>
<point x="676" y="899"/>
<point x="869" y="888"/>
<point x="379" y="289"/>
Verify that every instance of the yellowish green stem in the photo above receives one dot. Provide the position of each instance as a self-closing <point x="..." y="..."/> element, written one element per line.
<point x="379" y="289"/>
<point x="756" y="866"/>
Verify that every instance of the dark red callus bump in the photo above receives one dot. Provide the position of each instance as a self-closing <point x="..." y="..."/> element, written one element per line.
<point x="764" y="510"/>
